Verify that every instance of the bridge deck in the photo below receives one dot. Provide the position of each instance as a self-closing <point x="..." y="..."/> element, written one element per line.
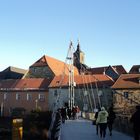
<point x="84" y="130"/>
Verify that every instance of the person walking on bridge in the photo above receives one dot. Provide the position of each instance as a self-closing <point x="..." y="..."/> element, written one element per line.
<point x="102" y="121"/>
<point x="96" y="116"/>
<point x="63" y="114"/>
<point x="110" y="119"/>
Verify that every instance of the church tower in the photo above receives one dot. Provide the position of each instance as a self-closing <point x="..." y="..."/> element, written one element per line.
<point x="79" y="58"/>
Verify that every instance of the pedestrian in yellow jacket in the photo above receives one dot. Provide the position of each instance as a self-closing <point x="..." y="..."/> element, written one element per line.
<point x="102" y="121"/>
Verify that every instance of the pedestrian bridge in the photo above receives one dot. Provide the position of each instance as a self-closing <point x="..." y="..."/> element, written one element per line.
<point x="82" y="129"/>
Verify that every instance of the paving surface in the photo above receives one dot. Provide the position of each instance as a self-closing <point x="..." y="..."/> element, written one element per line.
<point x="84" y="130"/>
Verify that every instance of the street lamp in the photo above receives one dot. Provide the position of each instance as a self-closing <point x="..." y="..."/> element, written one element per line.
<point x="36" y="103"/>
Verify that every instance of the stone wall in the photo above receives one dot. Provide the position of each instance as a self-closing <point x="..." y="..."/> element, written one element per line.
<point x="122" y="124"/>
<point x="40" y="72"/>
<point x="90" y="98"/>
<point x="125" y="101"/>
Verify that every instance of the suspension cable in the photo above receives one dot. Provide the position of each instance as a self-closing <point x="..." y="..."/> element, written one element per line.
<point x="94" y="101"/>
<point x="88" y="88"/>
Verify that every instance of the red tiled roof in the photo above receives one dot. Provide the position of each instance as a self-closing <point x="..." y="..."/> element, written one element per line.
<point x="12" y="73"/>
<point x="41" y="62"/>
<point x="135" y="69"/>
<point x="14" y="69"/>
<point x="120" y="69"/>
<point x="127" y="81"/>
<point x="55" y="65"/>
<point x="100" y="70"/>
<point x="81" y="80"/>
<point x="25" y="84"/>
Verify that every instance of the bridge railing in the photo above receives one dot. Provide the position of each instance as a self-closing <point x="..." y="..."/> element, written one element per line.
<point x="122" y="124"/>
<point x="55" y="127"/>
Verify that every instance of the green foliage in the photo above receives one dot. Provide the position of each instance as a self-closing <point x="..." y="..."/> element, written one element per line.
<point x="39" y="119"/>
<point x="18" y="112"/>
<point x="36" y="123"/>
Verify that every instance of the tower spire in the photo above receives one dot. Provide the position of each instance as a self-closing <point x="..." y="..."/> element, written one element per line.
<point x="78" y="45"/>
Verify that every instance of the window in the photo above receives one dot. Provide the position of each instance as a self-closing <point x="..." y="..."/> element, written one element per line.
<point x="126" y="95"/>
<point x="29" y="97"/>
<point x="41" y="97"/>
<point x="5" y="96"/>
<point x="35" y="70"/>
<point x="55" y="92"/>
<point x="17" y="96"/>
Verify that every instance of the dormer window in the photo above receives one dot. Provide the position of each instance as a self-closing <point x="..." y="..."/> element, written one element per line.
<point x="57" y="82"/>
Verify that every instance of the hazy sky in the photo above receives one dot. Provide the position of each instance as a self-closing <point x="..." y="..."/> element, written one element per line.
<point x="108" y="30"/>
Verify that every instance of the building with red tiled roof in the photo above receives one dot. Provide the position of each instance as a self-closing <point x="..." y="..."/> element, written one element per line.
<point x="80" y="80"/>
<point x="135" y="69"/>
<point x="24" y="93"/>
<point x="126" y="93"/>
<point x="127" y="81"/>
<point x="49" y="67"/>
<point x="12" y="73"/>
<point x="112" y="71"/>
<point x="92" y="90"/>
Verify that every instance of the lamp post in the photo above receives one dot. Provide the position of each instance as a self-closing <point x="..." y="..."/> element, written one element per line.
<point x="36" y="104"/>
<point x="85" y="107"/>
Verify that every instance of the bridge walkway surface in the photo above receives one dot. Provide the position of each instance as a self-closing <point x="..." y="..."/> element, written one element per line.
<point x="84" y="130"/>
